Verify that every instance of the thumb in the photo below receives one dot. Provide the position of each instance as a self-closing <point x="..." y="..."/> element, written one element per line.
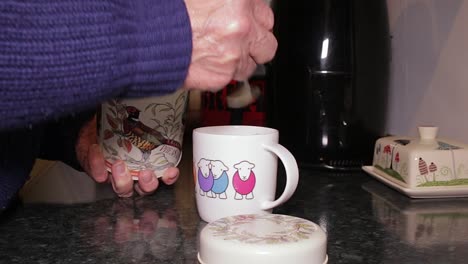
<point x="96" y="164"/>
<point x="89" y="153"/>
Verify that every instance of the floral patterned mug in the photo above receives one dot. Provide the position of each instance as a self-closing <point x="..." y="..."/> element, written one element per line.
<point x="146" y="133"/>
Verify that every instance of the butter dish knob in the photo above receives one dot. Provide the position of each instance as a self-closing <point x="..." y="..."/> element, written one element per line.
<point x="428" y="133"/>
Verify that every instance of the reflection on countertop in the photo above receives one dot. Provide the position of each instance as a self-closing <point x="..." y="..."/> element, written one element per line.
<point x="420" y="222"/>
<point x="365" y="221"/>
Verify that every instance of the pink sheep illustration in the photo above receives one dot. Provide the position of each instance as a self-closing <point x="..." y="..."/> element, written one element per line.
<point x="205" y="177"/>
<point x="243" y="180"/>
<point x="221" y="179"/>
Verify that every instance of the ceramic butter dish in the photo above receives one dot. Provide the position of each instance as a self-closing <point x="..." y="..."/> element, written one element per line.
<point x="424" y="167"/>
<point x="262" y="239"/>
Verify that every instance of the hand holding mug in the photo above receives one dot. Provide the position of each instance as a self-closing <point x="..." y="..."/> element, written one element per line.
<point x="92" y="161"/>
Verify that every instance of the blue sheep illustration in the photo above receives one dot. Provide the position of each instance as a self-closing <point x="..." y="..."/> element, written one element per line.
<point x="221" y="180"/>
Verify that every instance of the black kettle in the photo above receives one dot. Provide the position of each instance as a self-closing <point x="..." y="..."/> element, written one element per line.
<point x="326" y="87"/>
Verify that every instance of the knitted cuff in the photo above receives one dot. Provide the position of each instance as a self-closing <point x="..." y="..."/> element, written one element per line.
<point x="63" y="56"/>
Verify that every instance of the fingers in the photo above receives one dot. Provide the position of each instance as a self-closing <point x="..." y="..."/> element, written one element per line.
<point x="263" y="49"/>
<point x="121" y="180"/>
<point x="208" y="77"/>
<point x="171" y="175"/>
<point x="263" y="14"/>
<point x="92" y="160"/>
<point x="147" y="183"/>
<point x="264" y="44"/>
<point x="123" y="184"/>
<point x="229" y="39"/>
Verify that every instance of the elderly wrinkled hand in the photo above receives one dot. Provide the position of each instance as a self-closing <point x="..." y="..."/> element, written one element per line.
<point x="92" y="160"/>
<point x="230" y="37"/>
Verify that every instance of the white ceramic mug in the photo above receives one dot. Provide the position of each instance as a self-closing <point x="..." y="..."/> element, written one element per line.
<point x="235" y="170"/>
<point x="146" y="133"/>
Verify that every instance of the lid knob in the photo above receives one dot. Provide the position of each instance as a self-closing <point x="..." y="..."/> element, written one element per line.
<point x="428" y="133"/>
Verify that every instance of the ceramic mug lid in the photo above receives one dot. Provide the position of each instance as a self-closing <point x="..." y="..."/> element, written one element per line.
<point x="262" y="238"/>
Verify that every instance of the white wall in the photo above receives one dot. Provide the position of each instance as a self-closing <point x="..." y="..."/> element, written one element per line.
<point x="429" y="67"/>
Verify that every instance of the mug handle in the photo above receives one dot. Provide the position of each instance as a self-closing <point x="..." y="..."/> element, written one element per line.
<point x="292" y="175"/>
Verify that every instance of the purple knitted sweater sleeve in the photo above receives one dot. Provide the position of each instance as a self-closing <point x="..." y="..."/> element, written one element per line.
<point x="62" y="56"/>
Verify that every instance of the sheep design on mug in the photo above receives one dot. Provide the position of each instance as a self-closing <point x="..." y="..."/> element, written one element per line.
<point x="221" y="179"/>
<point x="213" y="180"/>
<point x="244" y="180"/>
<point x="205" y="177"/>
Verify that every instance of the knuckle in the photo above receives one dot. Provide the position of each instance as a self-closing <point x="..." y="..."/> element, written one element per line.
<point x="238" y="27"/>
<point x="269" y="18"/>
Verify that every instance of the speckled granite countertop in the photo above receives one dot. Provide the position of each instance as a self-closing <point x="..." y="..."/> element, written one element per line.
<point x="366" y="222"/>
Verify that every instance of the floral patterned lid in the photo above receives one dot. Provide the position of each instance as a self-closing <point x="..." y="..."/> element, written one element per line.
<point x="262" y="238"/>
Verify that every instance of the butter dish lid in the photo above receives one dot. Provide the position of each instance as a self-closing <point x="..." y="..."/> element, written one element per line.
<point x="262" y="238"/>
<point x="427" y="141"/>
<point x="424" y="167"/>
